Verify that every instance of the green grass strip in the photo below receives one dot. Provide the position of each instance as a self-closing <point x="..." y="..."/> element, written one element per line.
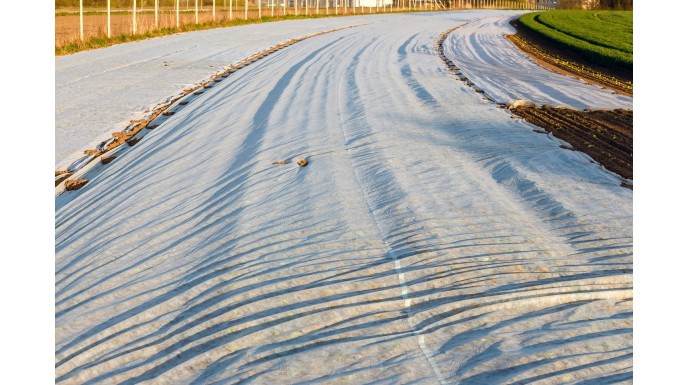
<point x="596" y="53"/>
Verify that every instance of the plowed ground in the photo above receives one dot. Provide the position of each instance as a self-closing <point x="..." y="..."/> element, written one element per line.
<point x="606" y="136"/>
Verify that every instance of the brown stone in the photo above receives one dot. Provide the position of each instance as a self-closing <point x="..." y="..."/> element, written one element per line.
<point x="302" y="162"/>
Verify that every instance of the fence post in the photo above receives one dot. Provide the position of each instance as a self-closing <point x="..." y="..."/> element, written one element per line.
<point x="108" y="19"/>
<point x="196" y="7"/>
<point x="245" y="9"/>
<point x="133" y="24"/>
<point x="176" y="3"/>
<point x="260" y="9"/>
<point x="81" y="20"/>
<point x="156" y="14"/>
<point x="213" y="10"/>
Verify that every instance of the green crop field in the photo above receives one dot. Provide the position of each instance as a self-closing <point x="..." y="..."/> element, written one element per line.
<point x="603" y="37"/>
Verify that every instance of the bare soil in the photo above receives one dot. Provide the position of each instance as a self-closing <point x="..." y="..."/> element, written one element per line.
<point x="67" y="26"/>
<point x="605" y="135"/>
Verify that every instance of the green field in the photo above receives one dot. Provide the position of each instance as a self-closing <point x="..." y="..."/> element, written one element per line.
<point x="603" y="37"/>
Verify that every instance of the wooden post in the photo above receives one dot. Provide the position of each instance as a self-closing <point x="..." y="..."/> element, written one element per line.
<point x="245" y="9"/>
<point x="196" y="8"/>
<point x="108" y="20"/>
<point x="133" y="24"/>
<point x="177" y="13"/>
<point x="260" y="9"/>
<point x="81" y="20"/>
<point x="213" y="10"/>
<point x="156" y="14"/>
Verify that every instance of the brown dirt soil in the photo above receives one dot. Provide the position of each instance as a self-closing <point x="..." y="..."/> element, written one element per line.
<point x="67" y="26"/>
<point x="605" y="135"/>
<point x="59" y="178"/>
<point x="75" y="184"/>
<point x="570" y="63"/>
<point x="107" y="159"/>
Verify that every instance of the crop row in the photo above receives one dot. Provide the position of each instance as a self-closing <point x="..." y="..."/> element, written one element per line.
<point x="596" y="53"/>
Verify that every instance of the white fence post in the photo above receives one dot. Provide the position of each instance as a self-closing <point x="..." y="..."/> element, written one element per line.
<point x="156" y="14"/>
<point x="213" y="10"/>
<point x="108" y="19"/>
<point x="81" y="20"/>
<point x="245" y="9"/>
<point x="133" y="23"/>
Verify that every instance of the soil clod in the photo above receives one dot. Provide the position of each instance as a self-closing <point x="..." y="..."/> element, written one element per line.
<point x="75" y="184"/>
<point x="133" y="141"/>
<point x="107" y="159"/>
<point x="302" y="163"/>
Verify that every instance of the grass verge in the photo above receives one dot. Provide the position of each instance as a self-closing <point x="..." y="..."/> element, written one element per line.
<point x="602" y="37"/>
<point x="102" y="41"/>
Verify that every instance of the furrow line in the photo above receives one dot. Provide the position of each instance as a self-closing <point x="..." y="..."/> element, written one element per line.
<point x="68" y="179"/>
